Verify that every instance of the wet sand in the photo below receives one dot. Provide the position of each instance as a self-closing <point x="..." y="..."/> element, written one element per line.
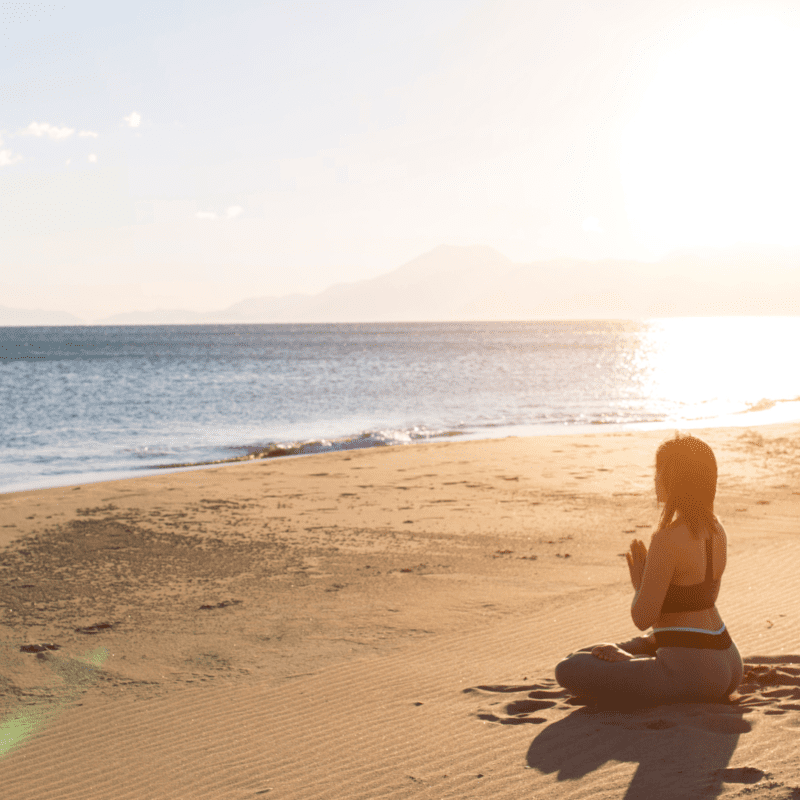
<point x="383" y="623"/>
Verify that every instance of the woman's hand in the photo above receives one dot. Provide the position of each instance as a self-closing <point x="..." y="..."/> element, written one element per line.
<point x="636" y="558"/>
<point x="610" y="652"/>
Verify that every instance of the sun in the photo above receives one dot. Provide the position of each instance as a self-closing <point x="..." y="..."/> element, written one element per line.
<point x="711" y="155"/>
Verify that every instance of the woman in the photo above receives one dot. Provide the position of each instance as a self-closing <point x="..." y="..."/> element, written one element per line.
<point x="689" y="656"/>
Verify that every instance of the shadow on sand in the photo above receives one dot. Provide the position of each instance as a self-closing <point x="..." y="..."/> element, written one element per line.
<point x="681" y="750"/>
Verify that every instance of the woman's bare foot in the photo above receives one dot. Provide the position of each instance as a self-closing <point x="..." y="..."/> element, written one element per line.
<point x="610" y="652"/>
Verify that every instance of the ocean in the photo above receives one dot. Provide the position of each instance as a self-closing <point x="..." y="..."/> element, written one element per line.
<point x="80" y="404"/>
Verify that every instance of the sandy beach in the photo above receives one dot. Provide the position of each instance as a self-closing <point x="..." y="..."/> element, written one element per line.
<point x="384" y="623"/>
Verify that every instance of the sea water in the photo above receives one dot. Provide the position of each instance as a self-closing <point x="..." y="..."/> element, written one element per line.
<point x="90" y="403"/>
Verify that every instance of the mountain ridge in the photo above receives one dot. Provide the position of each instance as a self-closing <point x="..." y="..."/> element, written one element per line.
<point x="451" y="283"/>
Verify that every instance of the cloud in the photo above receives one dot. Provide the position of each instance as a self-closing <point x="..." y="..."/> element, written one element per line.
<point x="45" y="129"/>
<point x="134" y="119"/>
<point x="7" y="158"/>
<point x="88" y="133"/>
<point x="231" y="212"/>
<point x="92" y="158"/>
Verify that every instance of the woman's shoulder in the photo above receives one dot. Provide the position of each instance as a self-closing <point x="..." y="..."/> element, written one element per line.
<point x="668" y="536"/>
<point x="677" y="535"/>
<point x="675" y="528"/>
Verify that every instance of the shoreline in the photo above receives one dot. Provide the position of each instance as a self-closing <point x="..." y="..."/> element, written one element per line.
<point x="778" y="413"/>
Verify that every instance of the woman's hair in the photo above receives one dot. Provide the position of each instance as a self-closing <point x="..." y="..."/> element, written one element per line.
<point x="688" y="472"/>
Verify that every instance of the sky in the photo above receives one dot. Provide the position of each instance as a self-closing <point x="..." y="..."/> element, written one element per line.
<point x="172" y="154"/>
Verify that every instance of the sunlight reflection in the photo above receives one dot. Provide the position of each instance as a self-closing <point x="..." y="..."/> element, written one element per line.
<point x="708" y="367"/>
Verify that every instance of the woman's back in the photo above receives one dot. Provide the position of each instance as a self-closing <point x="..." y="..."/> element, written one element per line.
<point x="691" y="597"/>
<point x="690" y="563"/>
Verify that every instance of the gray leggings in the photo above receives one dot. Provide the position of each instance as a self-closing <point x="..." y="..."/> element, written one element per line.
<point x="666" y="675"/>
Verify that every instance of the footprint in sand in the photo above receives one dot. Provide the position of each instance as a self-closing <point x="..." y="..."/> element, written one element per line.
<point x="38" y="648"/>
<point x="538" y="697"/>
<point x="526" y="706"/>
<point x="743" y="775"/>
<point x="771" y="686"/>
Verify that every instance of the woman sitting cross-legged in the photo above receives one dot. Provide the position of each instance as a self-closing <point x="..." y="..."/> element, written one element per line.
<point x="690" y="655"/>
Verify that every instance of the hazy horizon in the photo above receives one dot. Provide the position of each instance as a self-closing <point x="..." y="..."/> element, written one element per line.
<point x="168" y="157"/>
<point x="478" y="283"/>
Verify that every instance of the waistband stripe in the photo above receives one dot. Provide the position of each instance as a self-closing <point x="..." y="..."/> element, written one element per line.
<point x="695" y="639"/>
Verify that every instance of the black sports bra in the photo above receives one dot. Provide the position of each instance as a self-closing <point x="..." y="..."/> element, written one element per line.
<point x="696" y="597"/>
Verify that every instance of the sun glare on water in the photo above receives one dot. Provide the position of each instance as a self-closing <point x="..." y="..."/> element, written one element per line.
<point x="711" y="156"/>
<point x="715" y="366"/>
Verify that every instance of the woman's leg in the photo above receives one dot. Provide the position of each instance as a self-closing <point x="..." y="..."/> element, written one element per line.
<point x="676" y="674"/>
<point x="638" y="679"/>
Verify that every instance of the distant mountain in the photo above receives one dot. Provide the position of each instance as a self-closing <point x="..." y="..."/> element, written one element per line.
<point x="431" y="287"/>
<point x="478" y="283"/>
<point x="21" y="316"/>
<point x="157" y="317"/>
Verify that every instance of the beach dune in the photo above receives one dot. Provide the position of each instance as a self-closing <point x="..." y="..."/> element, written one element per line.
<point x="384" y="623"/>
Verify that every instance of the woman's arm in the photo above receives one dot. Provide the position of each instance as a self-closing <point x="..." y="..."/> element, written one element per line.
<point x="654" y="571"/>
